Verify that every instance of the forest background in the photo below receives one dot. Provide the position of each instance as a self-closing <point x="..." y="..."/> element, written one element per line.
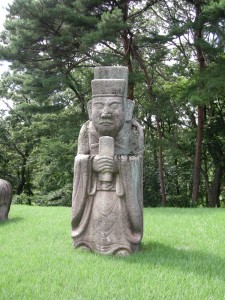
<point x="175" y="54"/>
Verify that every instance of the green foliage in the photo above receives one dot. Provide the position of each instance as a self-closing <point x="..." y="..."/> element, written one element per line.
<point x="39" y="139"/>
<point x="151" y="186"/>
<point x="207" y="84"/>
<point x="53" y="46"/>
<point x="115" y="19"/>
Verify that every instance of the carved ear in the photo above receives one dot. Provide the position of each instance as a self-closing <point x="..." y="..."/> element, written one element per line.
<point x="89" y="107"/>
<point x="129" y="109"/>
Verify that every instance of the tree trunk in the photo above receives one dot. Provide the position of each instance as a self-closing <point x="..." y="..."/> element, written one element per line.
<point x="126" y="38"/>
<point x="202" y="66"/>
<point x="149" y="82"/>
<point x="22" y="175"/>
<point x="213" y="189"/>
<point x="198" y="151"/>
<point x="176" y="179"/>
<point x="161" y="175"/>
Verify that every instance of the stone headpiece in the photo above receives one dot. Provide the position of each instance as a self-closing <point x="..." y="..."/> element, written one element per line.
<point x="107" y="76"/>
<point x="112" y="72"/>
<point x="108" y="87"/>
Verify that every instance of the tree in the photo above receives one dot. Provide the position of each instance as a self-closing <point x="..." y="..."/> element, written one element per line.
<point x="46" y="48"/>
<point x="175" y="54"/>
<point x="36" y="132"/>
<point x="194" y="30"/>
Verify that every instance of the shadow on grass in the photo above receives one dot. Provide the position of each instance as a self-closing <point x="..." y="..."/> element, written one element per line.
<point x="184" y="259"/>
<point x="10" y="221"/>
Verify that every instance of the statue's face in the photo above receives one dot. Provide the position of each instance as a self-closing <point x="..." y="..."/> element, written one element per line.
<point x="108" y="115"/>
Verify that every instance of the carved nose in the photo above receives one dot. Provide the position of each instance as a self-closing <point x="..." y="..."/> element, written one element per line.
<point x="106" y="113"/>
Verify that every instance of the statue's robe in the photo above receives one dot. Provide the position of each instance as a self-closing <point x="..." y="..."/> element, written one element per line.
<point x="107" y="217"/>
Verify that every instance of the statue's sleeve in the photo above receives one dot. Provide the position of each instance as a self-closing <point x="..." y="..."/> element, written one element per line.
<point x="136" y="138"/>
<point x="83" y="139"/>
<point x="82" y="183"/>
<point x="130" y="172"/>
<point x="81" y="200"/>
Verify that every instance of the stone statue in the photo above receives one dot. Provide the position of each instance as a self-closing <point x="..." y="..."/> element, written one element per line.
<point x="5" y="199"/>
<point x="107" y="201"/>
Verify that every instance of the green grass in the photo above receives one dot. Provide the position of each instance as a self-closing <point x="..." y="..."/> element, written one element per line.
<point x="183" y="257"/>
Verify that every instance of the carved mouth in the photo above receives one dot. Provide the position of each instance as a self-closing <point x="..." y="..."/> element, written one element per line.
<point x="106" y="123"/>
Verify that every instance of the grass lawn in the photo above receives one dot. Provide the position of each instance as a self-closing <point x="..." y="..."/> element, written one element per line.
<point x="183" y="257"/>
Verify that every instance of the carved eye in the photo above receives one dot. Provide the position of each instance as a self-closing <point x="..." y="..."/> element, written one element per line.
<point x="98" y="105"/>
<point x="115" y="105"/>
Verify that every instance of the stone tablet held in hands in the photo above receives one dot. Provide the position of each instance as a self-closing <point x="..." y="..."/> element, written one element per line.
<point x="106" y="148"/>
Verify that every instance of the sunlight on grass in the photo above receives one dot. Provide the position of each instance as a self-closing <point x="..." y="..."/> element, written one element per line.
<point x="182" y="257"/>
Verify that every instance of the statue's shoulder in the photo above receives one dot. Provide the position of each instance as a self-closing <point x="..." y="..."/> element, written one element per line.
<point x="136" y="126"/>
<point x="136" y="137"/>
<point x="83" y="140"/>
<point x="85" y="127"/>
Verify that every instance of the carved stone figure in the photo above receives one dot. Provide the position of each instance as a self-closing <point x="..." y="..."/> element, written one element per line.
<point x="5" y="199"/>
<point x="107" y="203"/>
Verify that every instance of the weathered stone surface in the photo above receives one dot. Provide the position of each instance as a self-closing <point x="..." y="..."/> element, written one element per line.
<point x="106" y="148"/>
<point x="5" y="199"/>
<point x="107" y="204"/>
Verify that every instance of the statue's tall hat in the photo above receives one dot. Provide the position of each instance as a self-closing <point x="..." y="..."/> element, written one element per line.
<point x="108" y="88"/>
<point x="110" y="81"/>
<point x="112" y="72"/>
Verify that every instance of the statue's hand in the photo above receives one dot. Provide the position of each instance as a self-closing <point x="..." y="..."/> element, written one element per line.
<point x="102" y="164"/>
